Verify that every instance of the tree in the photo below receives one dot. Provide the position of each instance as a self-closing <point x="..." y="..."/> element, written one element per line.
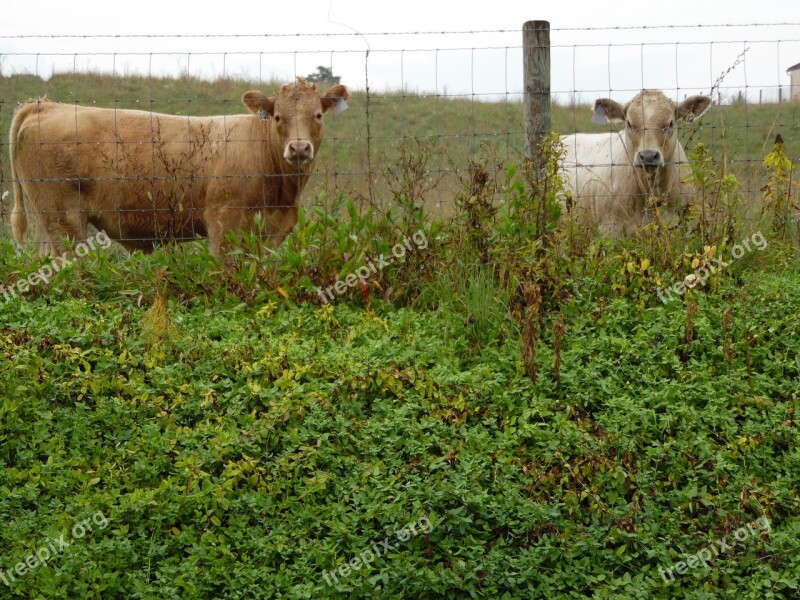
<point x="323" y="75"/>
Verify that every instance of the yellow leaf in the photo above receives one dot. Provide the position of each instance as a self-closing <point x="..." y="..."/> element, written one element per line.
<point x="282" y="292"/>
<point x="267" y="310"/>
<point x="176" y="531"/>
<point x="645" y="264"/>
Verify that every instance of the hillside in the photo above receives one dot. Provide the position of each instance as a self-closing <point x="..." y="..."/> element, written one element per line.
<point x="453" y="131"/>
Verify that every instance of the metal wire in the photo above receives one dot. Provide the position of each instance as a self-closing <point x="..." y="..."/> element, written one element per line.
<point x="394" y="115"/>
<point x="388" y="33"/>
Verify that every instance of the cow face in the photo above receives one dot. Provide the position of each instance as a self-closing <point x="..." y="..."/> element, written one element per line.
<point x="294" y="116"/>
<point x="650" y="124"/>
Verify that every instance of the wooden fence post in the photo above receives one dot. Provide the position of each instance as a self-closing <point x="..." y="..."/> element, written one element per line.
<point x="536" y="65"/>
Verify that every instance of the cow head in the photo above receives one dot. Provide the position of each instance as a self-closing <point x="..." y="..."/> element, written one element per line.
<point x="294" y="116"/>
<point x="650" y="124"/>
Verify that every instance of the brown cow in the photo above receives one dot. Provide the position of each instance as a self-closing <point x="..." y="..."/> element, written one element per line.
<point x="145" y="177"/>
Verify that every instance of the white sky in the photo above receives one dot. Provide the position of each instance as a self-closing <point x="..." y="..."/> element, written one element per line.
<point x="590" y="63"/>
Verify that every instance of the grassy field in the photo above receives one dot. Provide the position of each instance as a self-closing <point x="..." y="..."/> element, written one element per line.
<point x="458" y="130"/>
<point x="509" y="410"/>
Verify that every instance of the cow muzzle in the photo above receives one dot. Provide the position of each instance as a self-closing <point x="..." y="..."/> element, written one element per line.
<point x="649" y="159"/>
<point x="299" y="152"/>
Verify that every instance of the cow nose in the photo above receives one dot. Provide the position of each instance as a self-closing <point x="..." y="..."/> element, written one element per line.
<point x="650" y="158"/>
<point x="300" y="150"/>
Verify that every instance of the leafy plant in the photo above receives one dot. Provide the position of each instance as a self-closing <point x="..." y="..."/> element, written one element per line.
<point x="780" y="192"/>
<point x="719" y="198"/>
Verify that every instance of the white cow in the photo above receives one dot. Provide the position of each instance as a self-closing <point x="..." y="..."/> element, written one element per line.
<point x="616" y="178"/>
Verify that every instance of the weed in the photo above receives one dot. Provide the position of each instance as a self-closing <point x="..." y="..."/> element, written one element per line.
<point x="169" y="179"/>
<point x="157" y="326"/>
<point x="780" y="192"/>
<point x="533" y="300"/>
<point x="720" y="202"/>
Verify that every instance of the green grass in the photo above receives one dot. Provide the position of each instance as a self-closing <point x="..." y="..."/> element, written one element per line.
<point x="463" y="130"/>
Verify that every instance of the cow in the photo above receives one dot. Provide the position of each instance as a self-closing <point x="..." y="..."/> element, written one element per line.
<point x="145" y="177"/>
<point x="617" y="179"/>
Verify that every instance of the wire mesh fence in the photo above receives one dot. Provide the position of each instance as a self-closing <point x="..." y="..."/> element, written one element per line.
<point x="424" y="105"/>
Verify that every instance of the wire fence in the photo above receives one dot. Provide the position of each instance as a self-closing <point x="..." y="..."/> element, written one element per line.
<point x="424" y="105"/>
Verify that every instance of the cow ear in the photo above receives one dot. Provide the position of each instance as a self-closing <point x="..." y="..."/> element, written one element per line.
<point x="336" y="97"/>
<point x="693" y="108"/>
<point x="259" y="104"/>
<point x="606" y="109"/>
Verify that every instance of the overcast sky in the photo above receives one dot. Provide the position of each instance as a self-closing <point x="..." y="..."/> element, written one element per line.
<point x="586" y="59"/>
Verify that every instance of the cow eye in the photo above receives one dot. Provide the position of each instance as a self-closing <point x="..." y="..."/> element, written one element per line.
<point x="319" y="115"/>
<point x="630" y="126"/>
<point x="277" y="119"/>
<point x="671" y="124"/>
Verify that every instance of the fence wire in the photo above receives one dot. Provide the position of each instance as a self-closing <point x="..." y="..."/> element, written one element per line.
<point x="424" y="106"/>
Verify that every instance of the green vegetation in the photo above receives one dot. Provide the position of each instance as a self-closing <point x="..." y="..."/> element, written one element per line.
<point x="269" y="444"/>
<point x="516" y="382"/>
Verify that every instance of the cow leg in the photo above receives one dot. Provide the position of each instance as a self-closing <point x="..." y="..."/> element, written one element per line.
<point x="53" y="227"/>
<point x="57" y="215"/>
<point x="221" y="222"/>
<point x="280" y="222"/>
<point x="277" y="224"/>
